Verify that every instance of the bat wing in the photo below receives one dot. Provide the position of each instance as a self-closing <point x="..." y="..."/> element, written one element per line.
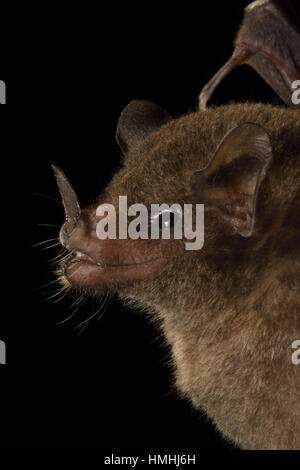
<point x="269" y="41"/>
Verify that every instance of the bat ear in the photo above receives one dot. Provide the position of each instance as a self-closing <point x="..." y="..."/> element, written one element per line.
<point x="139" y="119"/>
<point x="229" y="184"/>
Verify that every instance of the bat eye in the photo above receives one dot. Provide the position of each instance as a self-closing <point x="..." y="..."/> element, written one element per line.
<point x="167" y="221"/>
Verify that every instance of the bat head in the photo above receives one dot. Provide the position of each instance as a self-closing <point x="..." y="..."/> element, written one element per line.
<point x="183" y="164"/>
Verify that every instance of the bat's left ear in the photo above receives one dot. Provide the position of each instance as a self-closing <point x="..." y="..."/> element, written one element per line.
<point x="138" y="120"/>
<point x="229" y="184"/>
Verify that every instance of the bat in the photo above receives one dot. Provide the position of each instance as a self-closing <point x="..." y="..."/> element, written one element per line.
<point x="269" y="41"/>
<point x="231" y="310"/>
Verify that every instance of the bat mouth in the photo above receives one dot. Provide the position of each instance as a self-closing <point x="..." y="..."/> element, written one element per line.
<point x="82" y="270"/>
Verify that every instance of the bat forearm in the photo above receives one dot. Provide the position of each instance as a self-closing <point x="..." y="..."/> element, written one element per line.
<point x="269" y="41"/>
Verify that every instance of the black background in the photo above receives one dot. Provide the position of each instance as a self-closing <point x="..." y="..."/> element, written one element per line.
<point x="110" y="386"/>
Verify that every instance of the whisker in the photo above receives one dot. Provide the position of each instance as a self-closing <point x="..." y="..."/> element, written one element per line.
<point x="103" y="306"/>
<point x="94" y="314"/>
<point x="60" y="291"/>
<point x="45" y="285"/>
<point x="61" y="297"/>
<point x="47" y="197"/>
<point x="50" y="246"/>
<point x="84" y="327"/>
<point x="69" y="317"/>
<point x="88" y="319"/>
<point x="59" y="257"/>
<point x="78" y="301"/>
<point x="45" y="241"/>
<point x="48" y="225"/>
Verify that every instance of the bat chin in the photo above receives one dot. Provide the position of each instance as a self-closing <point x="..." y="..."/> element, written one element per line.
<point x="83" y="271"/>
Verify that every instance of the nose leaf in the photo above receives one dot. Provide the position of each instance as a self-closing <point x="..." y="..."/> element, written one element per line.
<point x="68" y="195"/>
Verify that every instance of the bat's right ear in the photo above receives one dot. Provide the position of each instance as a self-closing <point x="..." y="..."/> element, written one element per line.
<point x="138" y="120"/>
<point x="228" y="186"/>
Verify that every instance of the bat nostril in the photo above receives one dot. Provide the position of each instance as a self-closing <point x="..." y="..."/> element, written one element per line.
<point x="75" y="233"/>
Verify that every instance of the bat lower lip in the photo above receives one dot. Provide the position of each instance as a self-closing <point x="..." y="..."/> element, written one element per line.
<point x="87" y="273"/>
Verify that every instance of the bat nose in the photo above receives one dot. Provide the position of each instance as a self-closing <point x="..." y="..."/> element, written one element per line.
<point x="81" y="235"/>
<point x="66" y="233"/>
